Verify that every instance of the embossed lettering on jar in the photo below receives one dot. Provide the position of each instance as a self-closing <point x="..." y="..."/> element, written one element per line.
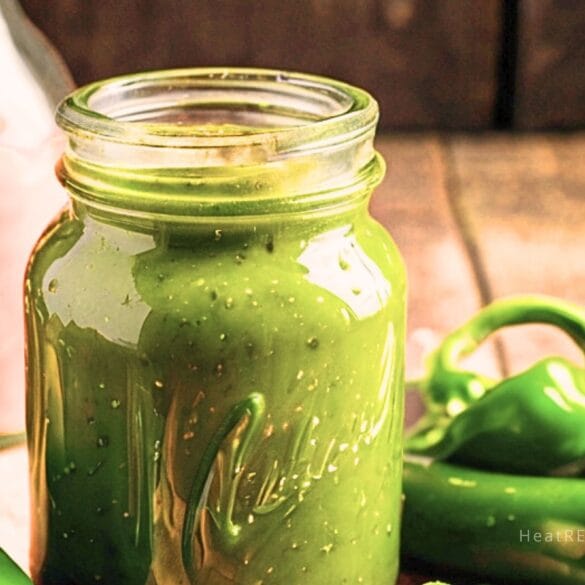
<point x="215" y="339"/>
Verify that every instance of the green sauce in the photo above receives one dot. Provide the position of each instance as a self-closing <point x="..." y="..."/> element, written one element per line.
<point x="215" y="401"/>
<point x="140" y="345"/>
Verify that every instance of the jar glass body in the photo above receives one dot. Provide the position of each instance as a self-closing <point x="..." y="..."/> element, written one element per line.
<point x="215" y="400"/>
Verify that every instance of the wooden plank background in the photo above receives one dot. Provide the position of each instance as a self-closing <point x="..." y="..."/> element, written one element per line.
<point x="550" y="82"/>
<point x="430" y="64"/>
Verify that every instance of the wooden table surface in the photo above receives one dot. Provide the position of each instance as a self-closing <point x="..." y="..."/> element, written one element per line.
<point x="476" y="217"/>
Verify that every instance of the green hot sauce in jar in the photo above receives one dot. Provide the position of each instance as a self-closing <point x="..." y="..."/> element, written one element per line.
<point x="215" y="339"/>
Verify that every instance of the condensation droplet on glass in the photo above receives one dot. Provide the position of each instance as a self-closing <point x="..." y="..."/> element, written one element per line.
<point x="93" y="470"/>
<point x="313" y="342"/>
<point x="69" y="468"/>
<point x="270" y="246"/>
<point x="229" y="303"/>
<point x="53" y="284"/>
<point x="159" y="384"/>
<point x="300" y="374"/>
<point x="327" y="548"/>
<point x="218" y="234"/>
<point x="345" y="314"/>
<point x="115" y="404"/>
<point x="103" y="441"/>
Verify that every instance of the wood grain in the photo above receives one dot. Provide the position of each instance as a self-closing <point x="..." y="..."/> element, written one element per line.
<point x="524" y="200"/>
<point x="550" y="87"/>
<point x="413" y="204"/>
<point x="430" y="64"/>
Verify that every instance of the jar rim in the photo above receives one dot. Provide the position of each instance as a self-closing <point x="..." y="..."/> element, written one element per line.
<point x="225" y="141"/>
<point x="176" y="108"/>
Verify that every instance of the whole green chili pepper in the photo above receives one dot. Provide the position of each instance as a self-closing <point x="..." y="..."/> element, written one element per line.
<point x="513" y="527"/>
<point x="10" y="572"/>
<point x="530" y="423"/>
<point x="489" y="509"/>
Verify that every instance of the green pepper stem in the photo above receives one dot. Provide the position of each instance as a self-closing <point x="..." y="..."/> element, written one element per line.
<point x="517" y="310"/>
<point x="12" y="440"/>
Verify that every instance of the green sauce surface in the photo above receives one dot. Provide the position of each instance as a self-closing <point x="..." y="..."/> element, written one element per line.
<point x="217" y="404"/>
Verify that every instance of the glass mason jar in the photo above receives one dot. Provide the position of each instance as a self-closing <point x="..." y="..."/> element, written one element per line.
<point x="215" y="339"/>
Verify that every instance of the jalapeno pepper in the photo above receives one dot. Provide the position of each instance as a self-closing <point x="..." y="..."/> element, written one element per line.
<point x="499" y="489"/>
<point x="10" y="572"/>
<point x="512" y="527"/>
<point x="530" y="423"/>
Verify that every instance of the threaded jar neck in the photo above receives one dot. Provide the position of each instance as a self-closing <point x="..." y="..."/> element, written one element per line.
<point x="219" y="142"/>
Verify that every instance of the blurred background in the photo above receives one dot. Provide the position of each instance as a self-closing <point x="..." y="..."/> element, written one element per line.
<point x="449" y="64"/>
